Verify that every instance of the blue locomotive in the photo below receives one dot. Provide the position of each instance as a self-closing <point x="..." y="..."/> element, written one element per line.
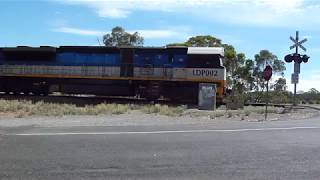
<point x="168" y="72"/>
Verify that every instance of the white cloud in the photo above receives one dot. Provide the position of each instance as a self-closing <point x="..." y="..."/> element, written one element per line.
<point x="286" y="13"/>
<point x="112" y="13"/>
<point x="282" y="5"/>
<point x="77" y="31"/>
<point x="146" y="33"/>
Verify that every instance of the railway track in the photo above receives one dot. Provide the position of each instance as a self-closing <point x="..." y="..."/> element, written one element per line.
<point x="82" y="100"/>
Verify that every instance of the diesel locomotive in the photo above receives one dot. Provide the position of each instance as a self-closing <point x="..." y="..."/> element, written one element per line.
<point x="147" y="72"/>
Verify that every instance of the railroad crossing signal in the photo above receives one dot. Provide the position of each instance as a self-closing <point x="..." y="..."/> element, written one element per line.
<point x="296" y="68"/>
<point x="294" y="78"/>
<point x="298" y="43"/>
<point x="297" y="59"/>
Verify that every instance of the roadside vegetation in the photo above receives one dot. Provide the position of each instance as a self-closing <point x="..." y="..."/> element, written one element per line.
<point x="27" y="108"/>
<point x="24" y="108"/>
<point x="281" y="97"/>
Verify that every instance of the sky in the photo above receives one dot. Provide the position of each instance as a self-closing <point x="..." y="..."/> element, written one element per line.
<point x="248" y="25"/>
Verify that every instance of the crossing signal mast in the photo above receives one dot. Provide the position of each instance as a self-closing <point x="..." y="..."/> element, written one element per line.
<point x="297" y="59"/>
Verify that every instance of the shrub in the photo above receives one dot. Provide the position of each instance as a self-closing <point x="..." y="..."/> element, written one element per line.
<point x="24" y="108"/>
<point x="163" y="110"/>
<point x="219" y="114"/>
<point x="259" y="110"/>
<point x="247" y="112"/>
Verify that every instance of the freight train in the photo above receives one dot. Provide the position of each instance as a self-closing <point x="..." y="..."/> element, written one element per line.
<point x="147" y="72"/>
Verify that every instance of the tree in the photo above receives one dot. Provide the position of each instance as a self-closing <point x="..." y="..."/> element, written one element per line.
<point x="312" y="96"/>
<point x="203" y="41"/>
<point x="176" y="44"/>
<point x="230" y="55"/>
<point x="232" y="62"/>
<point x="244" y="71"/>
<point x="280" y="85"/>
<point x="200" y="41"/>
<point x="313" y="91"/>
<point x="119" y="37"/>
<point x="266" y="57"/>
<point x="260" y="61"/>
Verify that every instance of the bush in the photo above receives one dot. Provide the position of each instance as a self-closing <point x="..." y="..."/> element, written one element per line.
<point x="25" y="108"/>
<point x="247" y="112"/>
<point x="216" y="114"/>
<point x="260" y="110"/>
<point x="219" y="114"/>
<point x="235" y="102"/>
<point x="163" y="110"/>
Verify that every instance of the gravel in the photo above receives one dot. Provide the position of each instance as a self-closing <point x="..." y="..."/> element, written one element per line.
<point x="137" y="118"/>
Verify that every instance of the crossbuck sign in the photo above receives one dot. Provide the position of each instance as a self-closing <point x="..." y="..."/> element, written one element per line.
<point x="298" y="43"/>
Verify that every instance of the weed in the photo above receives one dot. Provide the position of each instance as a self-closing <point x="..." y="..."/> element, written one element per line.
<point x="163" y="110"/>
<point x="26" y="108"/>
<point x="219" y="114"/>
<point x="247" y="112"/>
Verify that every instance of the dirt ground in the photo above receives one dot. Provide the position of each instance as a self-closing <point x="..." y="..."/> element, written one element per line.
<point x="138" y="118"/>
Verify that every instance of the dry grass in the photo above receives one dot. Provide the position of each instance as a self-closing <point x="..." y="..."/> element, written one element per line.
<point x="27" y="108"/>
<point x="259" y="110"/>
<point x="247" y="111"/>
<point x="164" y="110"/>
<point x="217" y="114"/>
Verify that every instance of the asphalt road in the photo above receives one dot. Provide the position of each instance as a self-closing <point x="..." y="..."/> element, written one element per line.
<point x="272" y="150"/>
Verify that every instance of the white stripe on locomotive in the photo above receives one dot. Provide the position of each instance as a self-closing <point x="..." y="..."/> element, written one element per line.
<point x="102" y="71"/>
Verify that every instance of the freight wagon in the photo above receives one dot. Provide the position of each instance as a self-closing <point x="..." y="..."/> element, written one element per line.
<point x="169" y="72"/>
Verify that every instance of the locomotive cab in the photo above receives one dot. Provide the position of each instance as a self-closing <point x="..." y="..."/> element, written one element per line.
<point x="205" y="57"/>
<point x="207" y="66"/>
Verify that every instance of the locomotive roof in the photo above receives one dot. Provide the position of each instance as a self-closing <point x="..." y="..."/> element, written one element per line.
<point x="104" y="49"/>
